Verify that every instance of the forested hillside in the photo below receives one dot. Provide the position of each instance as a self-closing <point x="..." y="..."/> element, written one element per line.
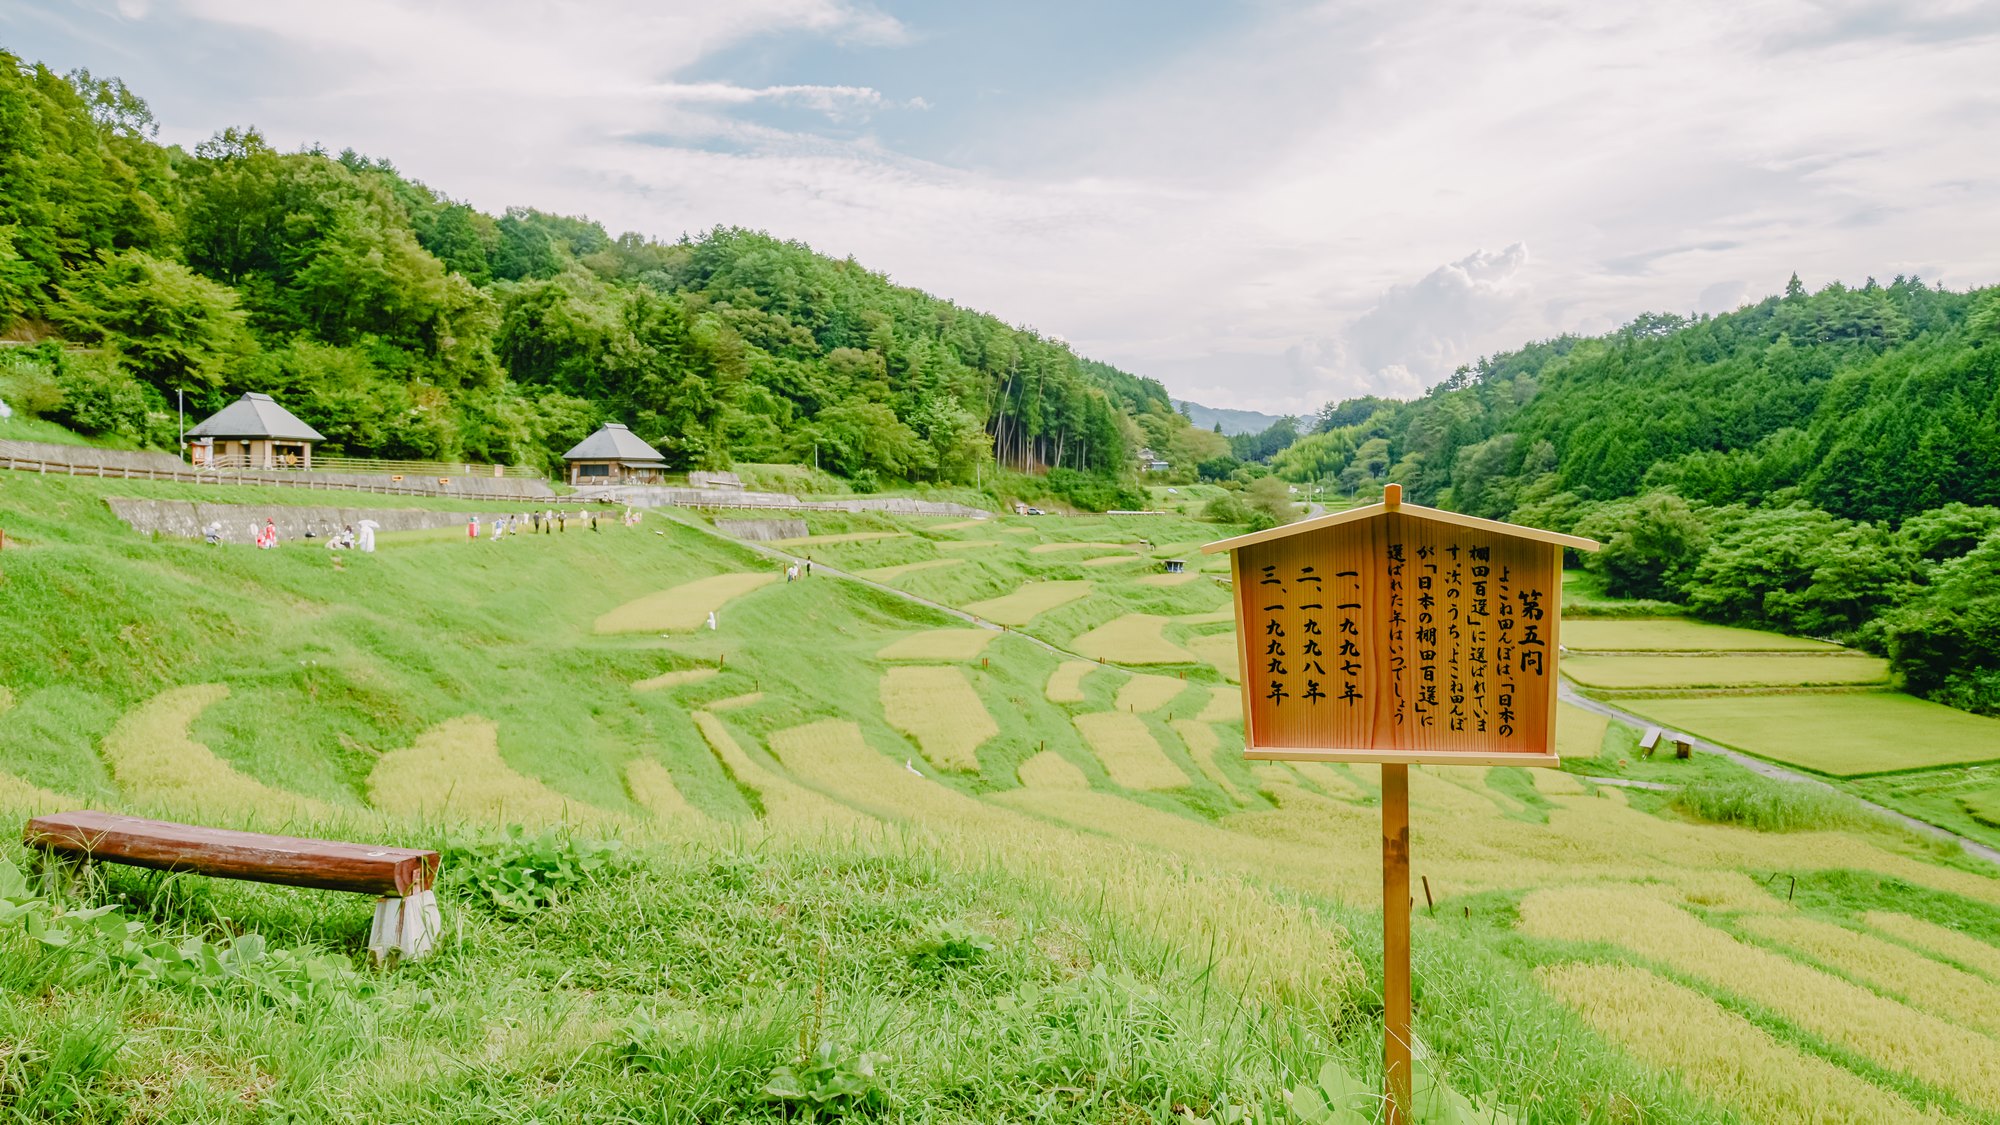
<point x="403" y="324"/>
<point x="1825" y="463"/>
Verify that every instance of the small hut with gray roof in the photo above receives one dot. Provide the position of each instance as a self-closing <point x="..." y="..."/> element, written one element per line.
<point x="614" y="455"/>
<point x="257" y="430"/>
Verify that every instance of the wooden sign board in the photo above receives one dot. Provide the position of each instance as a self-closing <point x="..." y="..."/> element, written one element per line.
<point x="1398" y="633"/>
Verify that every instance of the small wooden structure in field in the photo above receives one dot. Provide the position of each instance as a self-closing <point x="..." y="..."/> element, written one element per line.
<point x="614" y="455"/>
<point x="1399" y="635"/>
<point x="257" y="430"/>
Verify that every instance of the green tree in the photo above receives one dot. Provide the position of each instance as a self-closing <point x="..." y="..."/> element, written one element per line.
<point x="168" y="325"/>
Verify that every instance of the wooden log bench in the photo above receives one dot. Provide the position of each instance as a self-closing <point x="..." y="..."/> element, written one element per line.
<point x="406" y="917"/>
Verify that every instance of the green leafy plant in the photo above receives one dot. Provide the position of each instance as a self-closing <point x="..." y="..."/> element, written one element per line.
<point x="1338" y="1098"/>
<point x="518" y="874"/>
<point x="952" y="945"/>
<point x="831" y="1082"/>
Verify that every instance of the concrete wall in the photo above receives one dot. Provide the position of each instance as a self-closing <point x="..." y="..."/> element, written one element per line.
<point x="88" y="456"/>
<point x="763" y="530"/>
<point x="184" y="519"/>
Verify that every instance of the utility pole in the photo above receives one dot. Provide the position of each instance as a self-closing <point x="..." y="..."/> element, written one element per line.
<point x="180" y="407"/>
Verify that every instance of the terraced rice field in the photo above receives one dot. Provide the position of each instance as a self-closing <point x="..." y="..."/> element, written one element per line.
<point x="1145" y="694"/>
<point x="1136" y="638"/>
<point x="1030" y="601"/>
<point x="684" y="607"/>
<point x="1130" y="753"/>
<point x="889" y="573"/>
<point x="1843" y="735"/>
<point x="1675" y="634"/>
<point x="939" y="708"/>
<point x="1745" y="670"/>
<point x="1093" y="824"/>
<point x="939" y="644"/>
<point x="454" y="772"/>
<point x="1726" y="1057"/>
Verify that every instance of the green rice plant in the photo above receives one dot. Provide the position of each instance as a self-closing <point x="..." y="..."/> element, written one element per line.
<point x="1677" y="634"/>
<point x="1770" y="806"/>
<point x="781" y="800"/>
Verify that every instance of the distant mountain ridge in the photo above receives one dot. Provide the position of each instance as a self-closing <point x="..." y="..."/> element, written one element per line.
<point x="1233" y="421"/>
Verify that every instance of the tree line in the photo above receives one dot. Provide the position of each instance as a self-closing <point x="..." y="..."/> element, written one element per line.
<point x="1825" y="463"/>
<point x="401" y="323"/>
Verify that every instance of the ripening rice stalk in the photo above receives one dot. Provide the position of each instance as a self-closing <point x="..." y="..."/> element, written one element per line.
<point x="1030" y="600"/>
<point x="155" y="760"/>
<point x="652" y="788"/>
<point x="1113" y="560"/>
<point x="454" y="771"/>
<point x="674" y="679"/>
<point x="1225" y="705"/>
<point x="732" y="702"/>
<point x="1721" y="1055"/>
<point x="788" y="806"/>
<point x="959" y="525"/>
<point x="1718" y="890"/>
<point x="1952" y="993"/>
<point x="684" y="607"/>
<point x="1216" y="617"/>
<point x="1259" y="943"/>
<point x="1899" y="1038"/>
<point x="938" y="644"/>
<point x="965" y="545"/>
<point x="1217" y="650"/>
<point x="1331" y="781"/>
<point x="1556" y="783"/>
<point x="6" y="700"/>
<point x="1135" y="638"/>
<point x="1965" y="949"/>
<point x="1130" y="753"/>
<point x="1579" y="733"/>
<point x="1205" y="748"/>
<point x="1144" y="694"/>
<point x="1180" y="579"/>
<point x="18" y="794"/>
<point x="1050" y="770"/>
<point x="885" y="573"/>
<point x="1066" y="682"/>
<point x="939" y="708"/>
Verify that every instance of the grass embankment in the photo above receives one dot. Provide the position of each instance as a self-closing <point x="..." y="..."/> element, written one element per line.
<point x="1093" y="911"/>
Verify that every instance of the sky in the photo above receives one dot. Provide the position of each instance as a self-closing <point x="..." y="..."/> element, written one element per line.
<point x="1264" y="205"/>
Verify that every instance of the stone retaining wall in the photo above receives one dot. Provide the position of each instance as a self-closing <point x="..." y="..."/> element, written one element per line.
<point x="666" y="496"/>
<point x="763" y="530"/>
<point x="184" y="519"/>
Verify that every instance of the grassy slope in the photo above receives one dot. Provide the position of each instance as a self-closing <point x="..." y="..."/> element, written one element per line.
<point x="1132" y="951"/>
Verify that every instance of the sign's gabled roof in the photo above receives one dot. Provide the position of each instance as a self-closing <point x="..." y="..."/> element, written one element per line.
<point x="1392" y="503"/>
<point x="613" y="442"/>
<point x="255" y="416"/>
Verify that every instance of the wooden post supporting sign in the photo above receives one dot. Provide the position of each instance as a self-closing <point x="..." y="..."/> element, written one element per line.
<point x="1400" y="635"/>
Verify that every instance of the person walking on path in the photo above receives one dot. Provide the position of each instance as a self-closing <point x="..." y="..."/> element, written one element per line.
<point x="548" y="520"/>
<point x="809" y="566"/>
<point x="791" y="573"/>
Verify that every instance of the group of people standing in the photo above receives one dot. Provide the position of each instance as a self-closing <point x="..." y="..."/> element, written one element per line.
<point x="545" y="522"/>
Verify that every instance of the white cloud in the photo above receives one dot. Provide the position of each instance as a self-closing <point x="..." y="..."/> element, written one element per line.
<point x="1259" y="221"/>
